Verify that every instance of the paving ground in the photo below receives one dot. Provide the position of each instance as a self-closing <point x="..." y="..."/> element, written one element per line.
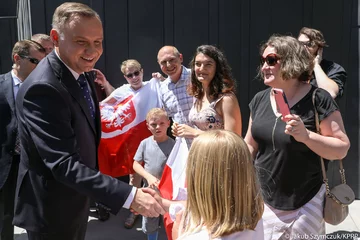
<point x="113" y="229"/>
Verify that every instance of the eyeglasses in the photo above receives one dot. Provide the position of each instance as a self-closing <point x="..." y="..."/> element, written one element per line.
<point x="309" y="44"/>
<point x="32" y="60"/>
<point x="271" y="59"/>
<point x="130" y="75"/>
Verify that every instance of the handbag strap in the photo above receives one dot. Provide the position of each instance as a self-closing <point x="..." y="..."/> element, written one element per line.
<point x="341" y="170"/>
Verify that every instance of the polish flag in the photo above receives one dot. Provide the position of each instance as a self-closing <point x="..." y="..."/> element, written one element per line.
<point x="172" y="184"/>
<point x="123" y="127"/>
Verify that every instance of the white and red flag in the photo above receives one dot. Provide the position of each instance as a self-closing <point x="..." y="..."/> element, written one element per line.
<point x="173" y="181"/>
<point x="123" y="127"/>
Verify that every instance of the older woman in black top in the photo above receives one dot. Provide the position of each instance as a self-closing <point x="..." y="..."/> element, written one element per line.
<point x="287" y="148"/>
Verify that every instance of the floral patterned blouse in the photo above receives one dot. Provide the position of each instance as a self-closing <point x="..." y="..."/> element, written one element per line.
<point x="207" y="118"/>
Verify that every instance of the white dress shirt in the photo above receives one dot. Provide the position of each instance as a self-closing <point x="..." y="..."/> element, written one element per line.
<point x="17" y="83"/>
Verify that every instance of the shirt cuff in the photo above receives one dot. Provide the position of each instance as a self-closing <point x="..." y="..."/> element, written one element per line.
<point x="130" y="198"/>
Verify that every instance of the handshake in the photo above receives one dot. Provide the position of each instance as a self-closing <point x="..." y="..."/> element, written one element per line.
<point x="149" y="203"/>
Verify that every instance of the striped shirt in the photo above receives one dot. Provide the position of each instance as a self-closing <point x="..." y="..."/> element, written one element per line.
<point x="176" y="100"/>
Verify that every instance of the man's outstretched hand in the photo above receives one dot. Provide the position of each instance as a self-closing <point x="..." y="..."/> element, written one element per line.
<point x="145" y="204"/>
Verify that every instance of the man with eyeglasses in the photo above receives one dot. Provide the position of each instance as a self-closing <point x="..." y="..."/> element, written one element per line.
<point x="26" y="55"/>
<point x="327" y="74"/>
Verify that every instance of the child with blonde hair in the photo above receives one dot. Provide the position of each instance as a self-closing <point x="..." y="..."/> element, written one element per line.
<point x="224" y="201"/>
<point x="153" y="153"/>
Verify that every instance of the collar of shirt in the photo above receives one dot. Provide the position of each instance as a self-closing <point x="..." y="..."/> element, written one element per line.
<point x="16" y="80"/>
<point x="75" y="74"/>
<point x="185" y="72"/>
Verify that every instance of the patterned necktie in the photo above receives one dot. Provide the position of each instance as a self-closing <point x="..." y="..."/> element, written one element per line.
<point x="17" y="139"/>
<point x="17" y="144"/>
<point x="85" y="90"/>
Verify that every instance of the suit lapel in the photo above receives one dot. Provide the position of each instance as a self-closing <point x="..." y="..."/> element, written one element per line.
<point x="69" y="82"/>
<point x="8" y="88"/>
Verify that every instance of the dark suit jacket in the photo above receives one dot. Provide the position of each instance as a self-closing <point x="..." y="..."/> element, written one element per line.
<point x="58" y="169"/>
<point x="8" y="125"/>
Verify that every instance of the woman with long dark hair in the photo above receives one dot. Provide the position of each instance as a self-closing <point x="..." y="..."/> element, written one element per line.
<point x="213" y="87"/>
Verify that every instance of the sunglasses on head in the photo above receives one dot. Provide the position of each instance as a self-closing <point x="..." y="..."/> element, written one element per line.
<point x="308" y="43"/>
<point x="130" y="75"/>
<point x="271" y="59"/>
<point x="32" y="60"/>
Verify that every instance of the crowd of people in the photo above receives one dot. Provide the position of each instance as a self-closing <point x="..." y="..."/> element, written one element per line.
<point x="267" y="185"/>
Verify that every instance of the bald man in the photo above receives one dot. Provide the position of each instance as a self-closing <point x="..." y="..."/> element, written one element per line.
<point x="174" y="96"/>
<point x="45" y="41"/>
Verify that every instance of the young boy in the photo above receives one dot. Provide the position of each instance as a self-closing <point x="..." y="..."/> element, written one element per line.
<point x="153" y="152"/>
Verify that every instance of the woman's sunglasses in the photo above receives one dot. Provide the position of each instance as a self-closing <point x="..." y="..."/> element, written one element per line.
<point x="130" y="75"/>
<point x="271" y="59"/>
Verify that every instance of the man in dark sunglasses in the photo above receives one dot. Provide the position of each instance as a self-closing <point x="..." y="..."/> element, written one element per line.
<point x="327" y="74"/>
<point x="25" y="55"/>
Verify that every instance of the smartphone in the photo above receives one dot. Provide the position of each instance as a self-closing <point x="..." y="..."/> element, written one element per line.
<point x="281" y="102"/>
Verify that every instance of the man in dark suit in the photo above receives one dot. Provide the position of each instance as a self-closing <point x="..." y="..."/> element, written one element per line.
<point x="25" y="56"/>
<point x="59" y="125"/>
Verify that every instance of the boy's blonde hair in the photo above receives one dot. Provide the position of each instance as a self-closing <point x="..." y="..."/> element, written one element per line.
<point x="130" y="63"/>
<point x="156" y="112"/>
<point x="223" y="192"/>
